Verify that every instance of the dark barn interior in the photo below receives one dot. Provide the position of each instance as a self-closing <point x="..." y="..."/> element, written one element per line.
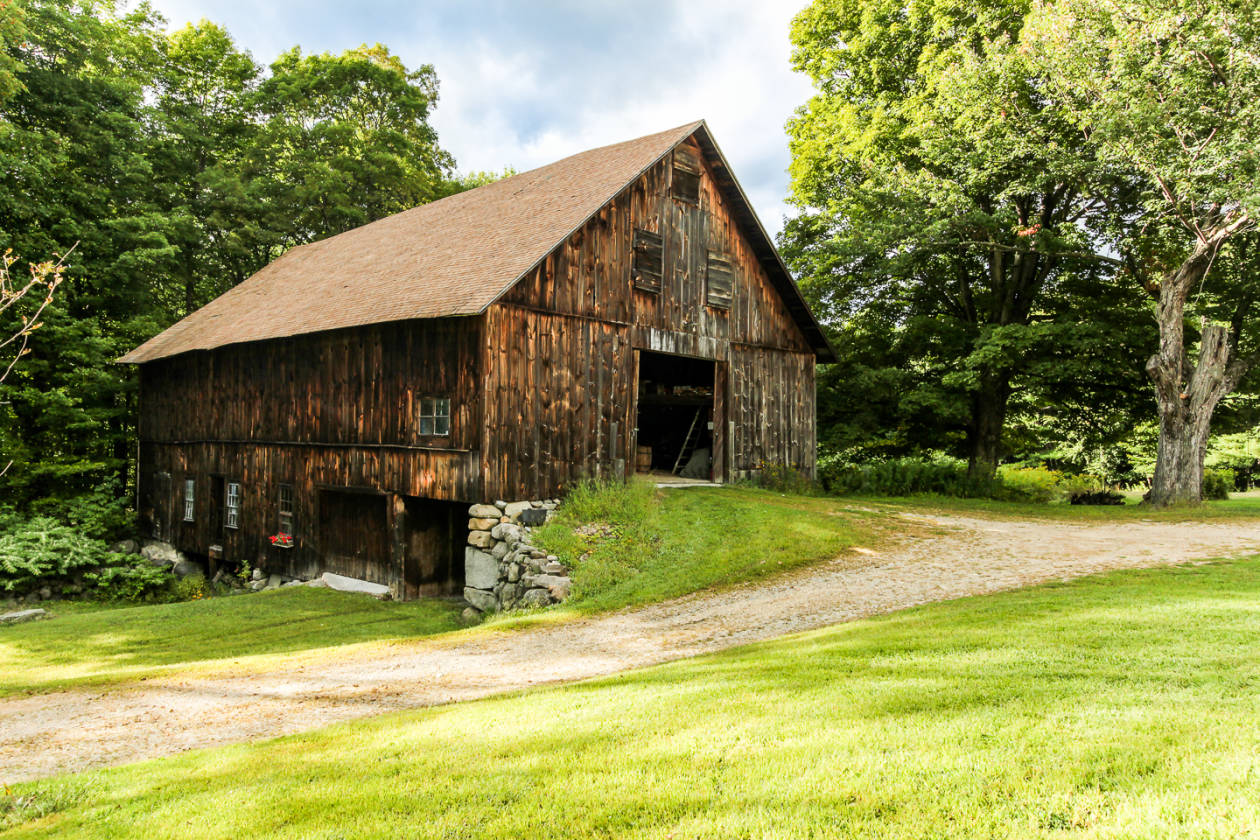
<point x="675" y="419"/>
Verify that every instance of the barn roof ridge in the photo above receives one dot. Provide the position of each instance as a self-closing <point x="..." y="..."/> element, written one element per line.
<point x="455" y="256"/>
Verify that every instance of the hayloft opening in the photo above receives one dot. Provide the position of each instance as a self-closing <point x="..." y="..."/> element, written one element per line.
<point x="675" y="415"/>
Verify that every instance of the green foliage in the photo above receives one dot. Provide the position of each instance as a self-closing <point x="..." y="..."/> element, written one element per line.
<point x="1030" y="484"/>
<point x="608" y="501"/>
<point x="1217" y="483"/>
<point x="946" y="240"/>
<point x="101" y="514"/>
<point x="785" y="478"/>
<point x="45" y="552"/>
<point x="1167" y="94"/>
<point x="943" y="476"/>
<point x="622" y="533"/>
<point x="129" y="577"/>
<point x="904" y="477"/>
<point x="179" y="167"/>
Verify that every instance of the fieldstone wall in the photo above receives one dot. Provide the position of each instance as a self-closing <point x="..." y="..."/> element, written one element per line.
<point x="503" y="570"/>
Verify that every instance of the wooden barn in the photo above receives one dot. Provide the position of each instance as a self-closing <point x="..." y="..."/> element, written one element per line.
<point x="619" y="310"/>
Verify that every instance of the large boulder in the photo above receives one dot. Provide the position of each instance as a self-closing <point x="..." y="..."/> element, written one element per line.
<point x="536" y="598"/>
<point x="480" y="539"/>
<point x="125" y="547"/>
<point x="185" y="568"/>
<point x="513" y="509"/>
<point x="484" y="512"/>
<point x="507" y="532"/>
<point x="481" y="570"/>
<point x="482" y="600"/>
<point x="21" y="616"/>
<point x="557" y="585"/>
<point x="161" y="554"/>
<point x="485" y="524"/>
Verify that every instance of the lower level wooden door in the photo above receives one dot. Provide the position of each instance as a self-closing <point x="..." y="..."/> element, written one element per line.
<point x="354" y="535"/>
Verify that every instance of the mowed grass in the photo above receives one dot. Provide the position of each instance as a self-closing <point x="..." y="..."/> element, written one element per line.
<point x="667" y="544"/>
<point x="1119" y="706"/>
<point x="81" y="646"/>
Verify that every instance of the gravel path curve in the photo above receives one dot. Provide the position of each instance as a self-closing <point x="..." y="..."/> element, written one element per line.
<point x="936" y="558"/>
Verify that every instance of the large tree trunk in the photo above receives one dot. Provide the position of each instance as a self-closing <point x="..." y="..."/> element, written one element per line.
<point x="1186" y="393"/>
<point x="988" y="416"/>
<point x="1179" y="464"/>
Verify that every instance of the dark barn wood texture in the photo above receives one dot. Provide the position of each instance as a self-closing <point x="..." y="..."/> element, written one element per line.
<point x="560" y="371"/>
<point x="328" y="410"/>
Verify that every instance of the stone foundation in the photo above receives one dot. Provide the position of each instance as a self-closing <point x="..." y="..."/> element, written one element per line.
<point x="503" y="570"/>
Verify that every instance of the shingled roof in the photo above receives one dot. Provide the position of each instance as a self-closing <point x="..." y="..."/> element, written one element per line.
<point x="452" y="257"/>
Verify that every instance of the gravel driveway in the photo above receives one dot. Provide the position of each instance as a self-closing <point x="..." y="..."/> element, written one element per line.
<point x="935" y="559"/>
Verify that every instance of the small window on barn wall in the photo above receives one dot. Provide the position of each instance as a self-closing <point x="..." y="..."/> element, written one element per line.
<point x="649" y="258"/>
<point x="232" y="505"/>
<point x="686" y="175"/>
<point x="719" y="282"/>
<point x="286" y="509"/>
<point x="190" y="501"/>
<point x="435" y="416"/>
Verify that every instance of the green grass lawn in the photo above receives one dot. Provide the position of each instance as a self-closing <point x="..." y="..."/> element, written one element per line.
<point x="82" y="646"/>
<point x="668" y="544"/>
<point x="1119" y="706"/>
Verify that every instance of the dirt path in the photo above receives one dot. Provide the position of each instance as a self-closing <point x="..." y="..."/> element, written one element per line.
<point x="938" y="558"/>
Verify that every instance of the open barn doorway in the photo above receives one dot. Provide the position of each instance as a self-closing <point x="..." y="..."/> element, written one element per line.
<point x="676" y="420"/>
<point x="433" y="533"/>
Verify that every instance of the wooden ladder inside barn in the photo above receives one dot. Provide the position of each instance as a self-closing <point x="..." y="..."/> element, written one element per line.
<point x="689" y="442"/>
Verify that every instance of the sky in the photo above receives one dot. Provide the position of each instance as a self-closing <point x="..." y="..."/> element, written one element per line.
<point x="524" y="84"/>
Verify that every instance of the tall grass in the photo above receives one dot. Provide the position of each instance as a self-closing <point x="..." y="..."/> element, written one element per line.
<point x="632" y="544"/>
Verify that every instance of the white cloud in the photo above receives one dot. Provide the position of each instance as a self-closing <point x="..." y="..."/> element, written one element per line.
<point x="526" y="84"/>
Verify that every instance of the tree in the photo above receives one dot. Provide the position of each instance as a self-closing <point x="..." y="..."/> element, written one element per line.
<point x="345" y="141"/>
<point x="1167" y="92"/>
<point x="27" y="301"/>
<point x="73" y="169"/>
<point x="180" y="168"/>
<point x="202" y="128"/>
<point x="943" y="200"/>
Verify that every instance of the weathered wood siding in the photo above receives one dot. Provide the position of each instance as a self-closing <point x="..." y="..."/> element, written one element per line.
<point x="559" y="362"/>
<point x="330" y="410"/>
<point x="359" y="386"/>
<point x="557" y="399"/>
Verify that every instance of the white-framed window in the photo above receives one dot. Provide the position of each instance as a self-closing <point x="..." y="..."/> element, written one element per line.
<point x="286" y="509"/>
<point x="233" y="505"/>
<point x="435" y="416"/>
<point x="190" y="500"/>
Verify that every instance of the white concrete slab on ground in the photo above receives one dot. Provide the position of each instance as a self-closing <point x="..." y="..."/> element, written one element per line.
<point x="341" y="583"/>
<point x="664" y="479"/>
